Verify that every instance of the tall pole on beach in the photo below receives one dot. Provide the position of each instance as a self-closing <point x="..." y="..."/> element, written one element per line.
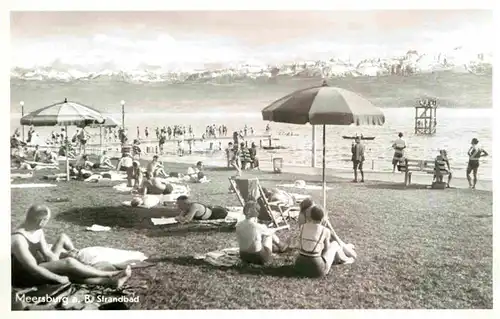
<point x="22" y="115"/>
<point x="122" y="102"/>
<point x="313" y="160"/>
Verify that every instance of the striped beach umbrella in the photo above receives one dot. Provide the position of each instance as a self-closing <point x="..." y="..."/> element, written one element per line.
<point x="323" y="105"/>
<point x="66" y="113"/>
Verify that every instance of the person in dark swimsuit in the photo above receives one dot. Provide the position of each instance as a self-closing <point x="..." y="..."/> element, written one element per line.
<point x="196" y="211"/>
<point x="34" y="263"/>
<point x="475" y="153"/>
<point x="155" y="186"/>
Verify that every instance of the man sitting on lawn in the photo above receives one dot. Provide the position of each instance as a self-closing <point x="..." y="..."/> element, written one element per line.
<point x="155" y="168"/>
<point x="196" y="211"/>
<point x="255" y="240"/>
<point x="104" y="161"/>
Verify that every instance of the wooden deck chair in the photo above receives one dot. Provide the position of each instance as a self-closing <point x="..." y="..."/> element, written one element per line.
<point x="250" y="189"/>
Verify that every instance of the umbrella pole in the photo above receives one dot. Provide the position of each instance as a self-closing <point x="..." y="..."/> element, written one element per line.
<point x="324" y="167"/>
<point x="67" y="153"/>
<point x="100" y="137"/>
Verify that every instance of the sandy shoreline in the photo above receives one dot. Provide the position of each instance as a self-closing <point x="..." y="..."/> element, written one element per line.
<point x="267" y="166"/>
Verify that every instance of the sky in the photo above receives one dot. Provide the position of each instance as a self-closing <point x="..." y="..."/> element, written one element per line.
<point x="131" y="40"/>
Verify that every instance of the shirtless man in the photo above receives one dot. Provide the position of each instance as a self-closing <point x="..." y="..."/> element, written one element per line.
<point x="155" y="186"/>
<point x="104" y="161"/>
<point x="196" y="211"/>
<point x="155" y="168"/>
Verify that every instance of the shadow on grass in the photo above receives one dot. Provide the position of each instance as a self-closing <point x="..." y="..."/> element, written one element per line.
<point x="396" y="186"/>
<point x="185" y="230"/>
<point x="482" y="216"/>
<point x="115" y="216"/>
<point x="286" y="271"/>
<point x="219" y="169"/>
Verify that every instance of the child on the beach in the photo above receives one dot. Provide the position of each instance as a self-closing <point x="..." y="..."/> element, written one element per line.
<point x="475" y="153"/>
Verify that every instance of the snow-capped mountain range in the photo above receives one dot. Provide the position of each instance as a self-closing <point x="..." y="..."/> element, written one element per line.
<point x="409" y="64"/>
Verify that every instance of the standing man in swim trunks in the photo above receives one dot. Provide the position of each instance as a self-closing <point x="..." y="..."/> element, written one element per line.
<point x="358" y="157"/>
<point x="399" y="146"/>
<point x="475" y="153"/>
<point x="196" y="211"/>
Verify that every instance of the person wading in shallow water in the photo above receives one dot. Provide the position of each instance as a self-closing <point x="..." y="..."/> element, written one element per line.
<point x="475" y="153"/>
<point x="358" y="157"/>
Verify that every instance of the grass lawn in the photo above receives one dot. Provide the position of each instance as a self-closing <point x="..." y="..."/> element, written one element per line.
<point x="417" y="248"/>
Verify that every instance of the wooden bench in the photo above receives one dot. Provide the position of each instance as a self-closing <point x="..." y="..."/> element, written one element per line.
<point x="410" y="165"/>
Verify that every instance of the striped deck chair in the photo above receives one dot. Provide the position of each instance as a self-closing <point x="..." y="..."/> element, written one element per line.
<point x="250" y="189"/>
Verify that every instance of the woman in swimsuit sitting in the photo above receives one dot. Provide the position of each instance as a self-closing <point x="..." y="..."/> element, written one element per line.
<point x="34" y="263"/>
<point x="196" y="211"/>
<point x="317" y="251"/>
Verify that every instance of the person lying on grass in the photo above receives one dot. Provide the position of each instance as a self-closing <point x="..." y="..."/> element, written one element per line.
<point x="255" y="241"/>
<point x="317" y="251"/>
<point x="155" y="186"/>
<point x="155" y="168"/>
<point x="34" y="263"/>
<point x="196" y="211"/>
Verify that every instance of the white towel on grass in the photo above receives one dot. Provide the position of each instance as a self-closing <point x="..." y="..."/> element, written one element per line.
<point x="123" y="188"/>
<point x="40" y="185"/>
<point x="94" y="255"/>
<point x="308" y="187"/>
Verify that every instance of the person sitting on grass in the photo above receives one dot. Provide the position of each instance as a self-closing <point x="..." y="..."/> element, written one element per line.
<point x="196" y="211"/>
<point x="155" y="168"/>
<point x="51" y="157"/>
<point x="79" y="173"/>
<point x="124" y="163"/>
<point x="196" y="174"/>
<point x="134" y="175"/>
<point x="442" y="167"/>
<point x="155" y="186"/>
<point x="84" y="163"/>
<point x="255" y="241"/>
<point x="34" y="263"/>
<point x="37" y="157"/>
<point x="104" y="161"/>
<point x="317" y="251"/>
